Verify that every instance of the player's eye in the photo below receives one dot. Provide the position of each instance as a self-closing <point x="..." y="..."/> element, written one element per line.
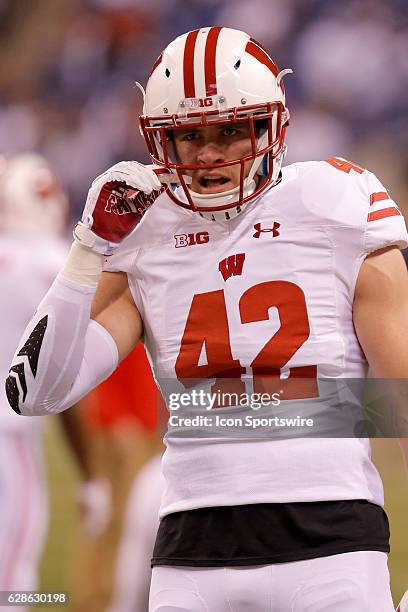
<point x="230" y="131"/>
<point x="190" y="136"/>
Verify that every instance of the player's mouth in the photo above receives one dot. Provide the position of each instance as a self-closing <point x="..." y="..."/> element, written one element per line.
<point x="214" y="183"/>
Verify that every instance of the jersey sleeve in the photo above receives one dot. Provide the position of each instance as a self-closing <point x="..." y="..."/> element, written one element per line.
<point x="122" y="260"/>
<point x="385" y="224"/>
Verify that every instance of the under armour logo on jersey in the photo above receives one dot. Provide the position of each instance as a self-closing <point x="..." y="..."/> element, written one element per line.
<point x="259" y="230"/>
<point x="232" y="265"/>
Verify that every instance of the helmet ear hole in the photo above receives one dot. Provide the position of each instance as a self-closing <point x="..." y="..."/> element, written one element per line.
<point x="167" y="72"/>
<point x="237" y="64"/>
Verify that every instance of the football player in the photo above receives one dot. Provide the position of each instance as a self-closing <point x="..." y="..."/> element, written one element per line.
<point x="120" y="426"/>
<point x="33" y="215"/>
<point x="242" y="275"/>
<point x="33" y="210"/>
<point x="132" y="571"/>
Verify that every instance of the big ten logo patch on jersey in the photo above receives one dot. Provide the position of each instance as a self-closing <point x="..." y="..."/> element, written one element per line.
<point x="184" y="240"/>
<point x="232" y="266"/>
<point x="266" y="230"/>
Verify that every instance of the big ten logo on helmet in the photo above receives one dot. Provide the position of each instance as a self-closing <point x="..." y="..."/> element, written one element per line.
<point x="205" y="102"/>
<point x="190" y="103"/>
<point x="184" y="240"/>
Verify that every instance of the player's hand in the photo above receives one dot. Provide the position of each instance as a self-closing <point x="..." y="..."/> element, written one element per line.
<point x="116" y="202"/>
<point x="95" y="502"/>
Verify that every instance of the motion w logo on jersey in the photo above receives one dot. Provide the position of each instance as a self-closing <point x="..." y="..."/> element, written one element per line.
<point x="232" y="266"/>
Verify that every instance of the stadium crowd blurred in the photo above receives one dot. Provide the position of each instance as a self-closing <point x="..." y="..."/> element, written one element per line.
<point x="67" y="72"/>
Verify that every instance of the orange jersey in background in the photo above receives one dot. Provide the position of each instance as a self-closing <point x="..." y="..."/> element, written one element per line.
<point x="129" y="394"/>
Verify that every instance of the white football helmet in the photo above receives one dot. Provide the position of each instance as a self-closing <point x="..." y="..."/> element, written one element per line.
<point x="31" y="197"/>
<point x="216" y="76"/>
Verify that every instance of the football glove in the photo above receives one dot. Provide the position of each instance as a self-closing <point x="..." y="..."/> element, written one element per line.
<point x="116" y="203"/>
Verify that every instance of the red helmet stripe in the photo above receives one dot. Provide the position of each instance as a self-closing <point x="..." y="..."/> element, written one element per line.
<point x="259" y="53"/>
<point x="210" y="61"/>
<point x="188" y="64"/>
<point x="156" y="63"/>
<point x="259" y="45"/>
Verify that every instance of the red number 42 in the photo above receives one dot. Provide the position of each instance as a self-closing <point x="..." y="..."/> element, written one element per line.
<point x="207" y="324"/>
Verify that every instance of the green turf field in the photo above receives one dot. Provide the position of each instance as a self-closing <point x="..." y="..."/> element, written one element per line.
<point x="64" y="517"/>
<point x="388" y="458"/>
<point x="59" y="554"/>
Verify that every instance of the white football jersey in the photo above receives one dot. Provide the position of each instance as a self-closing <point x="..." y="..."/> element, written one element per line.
<point x="28" y="266"/>
<point x="268" y="292"/>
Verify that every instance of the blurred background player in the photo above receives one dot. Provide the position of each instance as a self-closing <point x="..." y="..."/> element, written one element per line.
<point x="120" y="426"/>
<point x="33" y="216"/>
<point x="141" y="521"/>
<point x="33" y="211"/>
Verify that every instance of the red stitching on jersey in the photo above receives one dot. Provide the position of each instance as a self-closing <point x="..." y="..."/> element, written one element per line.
<point x="188" y="64"/>
<point x="378" y="196"/>
<point x="210" y="61"/>
<point x="383" y="213"/>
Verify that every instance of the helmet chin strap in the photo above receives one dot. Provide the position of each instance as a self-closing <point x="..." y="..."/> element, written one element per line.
<point x="225" y="197"/>
<point x="250" y="183"/>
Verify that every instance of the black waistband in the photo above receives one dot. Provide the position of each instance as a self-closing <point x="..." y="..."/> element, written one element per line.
<point x="258" y="534"/>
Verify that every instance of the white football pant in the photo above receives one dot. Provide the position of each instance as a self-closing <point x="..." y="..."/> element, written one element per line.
<point x="24" y="511"/>
<point x="348" y="582"/>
